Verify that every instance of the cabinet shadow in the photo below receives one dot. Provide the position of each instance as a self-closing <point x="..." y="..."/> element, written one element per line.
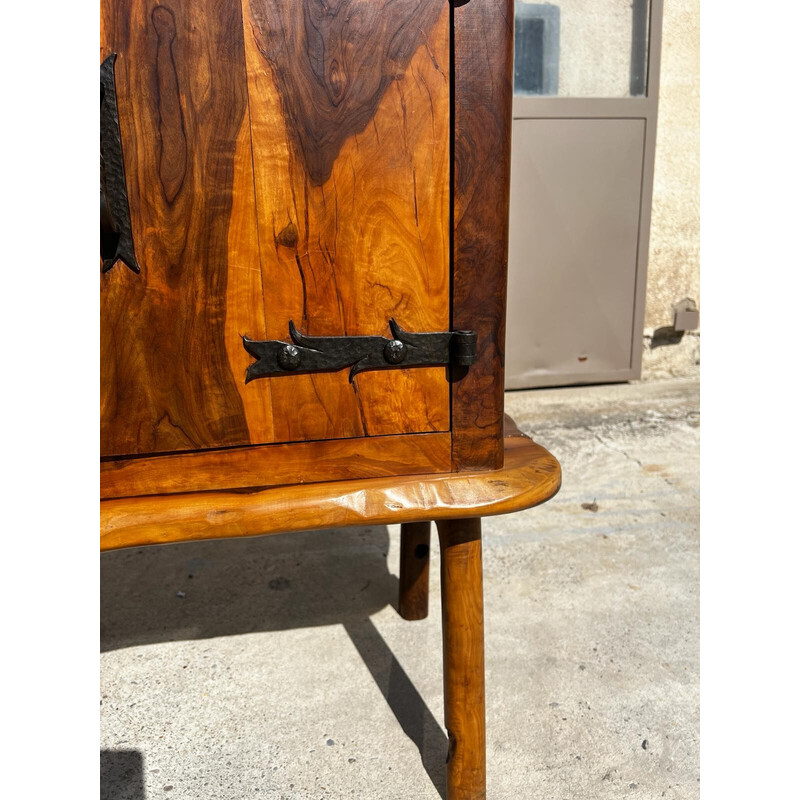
<point x="200" y="590"/>
<point x="121" y="775"/>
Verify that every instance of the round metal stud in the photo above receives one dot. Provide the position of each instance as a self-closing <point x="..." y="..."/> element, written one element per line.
<point x="395" y="351"/>
<point x="289" y="357"/>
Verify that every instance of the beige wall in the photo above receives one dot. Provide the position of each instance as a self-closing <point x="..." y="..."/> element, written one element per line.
<point x="674" y="264"/>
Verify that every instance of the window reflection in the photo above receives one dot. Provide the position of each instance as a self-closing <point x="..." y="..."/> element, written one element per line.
<point x="581" y="48"/>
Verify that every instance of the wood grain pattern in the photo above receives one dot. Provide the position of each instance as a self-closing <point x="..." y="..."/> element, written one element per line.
<point x="482" y="75"/>
<point x="530" y="476"/>
<point x="333" y="62"/>
<point x="464" y="675"/>
<point x="415" y="546"/>
<point x="349" y="106"/>
<point x="291" y="163"/>
<point x="276" y="465"/>
<point x="168" y="380"/>
<point x="244" y="305"/>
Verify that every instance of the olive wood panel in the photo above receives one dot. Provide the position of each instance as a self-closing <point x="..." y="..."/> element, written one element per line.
<point x="349" y="113"/>
<point x="276" y="465"/>
<point x="172" y="363"/>
<point x="530" y="476"/>
<point x="483" y="54"/>
<point x="291" y="163"/>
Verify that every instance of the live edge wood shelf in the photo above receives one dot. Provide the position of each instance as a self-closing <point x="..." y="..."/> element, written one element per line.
<point x="338" y="169"/>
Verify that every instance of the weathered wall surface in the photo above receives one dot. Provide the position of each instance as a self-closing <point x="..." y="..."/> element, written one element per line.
<point x="674" y="263"/>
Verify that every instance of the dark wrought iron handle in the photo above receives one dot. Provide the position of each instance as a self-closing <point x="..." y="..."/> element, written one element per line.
<point x="328" y="353"/>
<point x="116" y="240"/>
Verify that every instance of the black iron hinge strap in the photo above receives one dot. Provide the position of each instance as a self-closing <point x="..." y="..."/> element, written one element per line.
<point x="116" y="239"/>
<point x="360" y="353"/>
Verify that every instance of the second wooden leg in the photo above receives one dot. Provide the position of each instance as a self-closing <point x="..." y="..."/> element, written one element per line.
<point x="462" y="629"/>
<point x="415" y="545"/>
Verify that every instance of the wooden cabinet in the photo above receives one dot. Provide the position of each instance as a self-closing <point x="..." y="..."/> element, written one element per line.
<point x="331" y="165"/>
<point x="304" y="221"/>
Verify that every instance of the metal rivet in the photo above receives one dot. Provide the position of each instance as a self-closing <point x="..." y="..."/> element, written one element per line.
<point x="394" y="352"/>
<point x="289" y="357"/>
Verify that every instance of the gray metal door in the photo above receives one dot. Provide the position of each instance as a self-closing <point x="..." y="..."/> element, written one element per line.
<point x="583" y="149"/>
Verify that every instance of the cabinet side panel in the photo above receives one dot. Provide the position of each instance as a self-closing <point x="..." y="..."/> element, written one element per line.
<point x="350" y="118"/>
<point x="170" y="354"/>
<point x="483" y="44"/>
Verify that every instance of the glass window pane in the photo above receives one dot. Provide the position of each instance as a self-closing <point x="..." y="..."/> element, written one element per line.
<point x="581" y="48"/>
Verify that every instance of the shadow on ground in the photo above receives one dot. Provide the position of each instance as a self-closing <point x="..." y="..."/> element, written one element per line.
<point x="121" y="775"/>
<point x="200" y="590"/>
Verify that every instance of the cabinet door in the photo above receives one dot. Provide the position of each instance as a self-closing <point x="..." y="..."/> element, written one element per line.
<point x="285" y="160"/>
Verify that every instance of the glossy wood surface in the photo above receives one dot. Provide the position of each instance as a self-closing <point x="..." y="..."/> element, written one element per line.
<point x="415" y="550"/>
<point x="286" y="160"/>
<point x="530" y="476"/>
<point x="349" y="109"/>
<point x="462" y="634"/>
<point x="276" y="465"/>
<point x="171" y="370"/>
<point x="483" y="54"/>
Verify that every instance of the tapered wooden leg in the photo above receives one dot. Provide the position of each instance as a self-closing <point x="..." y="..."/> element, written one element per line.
<point x="462" y="629"/>
<point x="415" y="546"/>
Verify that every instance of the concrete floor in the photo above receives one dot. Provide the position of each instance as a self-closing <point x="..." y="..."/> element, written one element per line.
<point x="278" y="667"/>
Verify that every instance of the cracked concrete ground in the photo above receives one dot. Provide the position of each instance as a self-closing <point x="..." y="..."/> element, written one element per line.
<point x="277" y="667"/>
